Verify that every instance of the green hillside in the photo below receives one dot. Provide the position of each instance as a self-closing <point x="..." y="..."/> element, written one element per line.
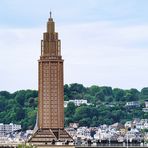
<point x="107" y="105"/>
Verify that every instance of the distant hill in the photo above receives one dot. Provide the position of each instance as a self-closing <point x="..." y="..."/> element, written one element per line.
<point x="108" y="105"/>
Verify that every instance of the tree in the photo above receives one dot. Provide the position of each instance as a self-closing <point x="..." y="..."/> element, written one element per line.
<point x="145" y="116"/>
<point x="66" y="92"/>
<point x="2" y="103"/>
<point x="31" y="94"/>
<point x="66" y="98"/>
<point x="5" y="94"/>
<point x="144" y="91"/>
<point x="135" y="94"/>
<point x="100" y="96"/>
<point x="75" y="87"/>
<point x="119" y="94"/>
<point x="32" y="102"/>
<point x="94" y="122"/>
<point x="70" y="110"/>
<point x="85" y="121"/>
<point x="117" y="115"/>
<point x="89" y="98"/>
<point x="68" y="120"/>
<point x="132" y="95"/>
<point x="93" y="90"/>
<point x="20" y="113"/>
<point x="82" y="112"/>
<point x="107" y="91"/>
<point x="20" y="97"/>
<point x="109" y="99"/>
<point x="20" y="107"/>
<point x="76" y="91"/>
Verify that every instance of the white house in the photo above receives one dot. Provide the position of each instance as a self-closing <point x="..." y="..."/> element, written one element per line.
<point x="76" y="102"/>
<point x="133" y="104"/>
<point x="145" y="109"/>
<point x="146" y="125"/>
<point x="146" y="103"/>
<point x="128" y="124"/>
<point x="146" y="106"/>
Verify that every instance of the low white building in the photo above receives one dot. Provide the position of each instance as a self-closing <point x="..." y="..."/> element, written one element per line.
<point x="145" y="110"/>
<point x="139" y="125"/>
<point x="146" y="125"/>
<point x="2" y="129"/>
<point x="146" y="103"/>
<point x="83" y="133"/>
<point x="128" y="124"/>
<point x="76" y="102"/>
<point x="132" y="104"/>
<point x="8" y="128"/>
<point x="146" y="106"/>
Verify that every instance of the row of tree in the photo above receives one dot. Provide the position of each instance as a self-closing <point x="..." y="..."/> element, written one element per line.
<point x="108" y="105"/>
<point x="19" y="107"/>
<point x="96" y="94"/>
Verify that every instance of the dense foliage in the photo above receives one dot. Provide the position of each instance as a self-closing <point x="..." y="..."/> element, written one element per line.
<point x="107" y="105"/>
<point x="19" y="107"/>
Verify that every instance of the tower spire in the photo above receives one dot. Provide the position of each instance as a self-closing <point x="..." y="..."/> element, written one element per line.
<point x="50" y="18"/>
<point x="50" y="14"/>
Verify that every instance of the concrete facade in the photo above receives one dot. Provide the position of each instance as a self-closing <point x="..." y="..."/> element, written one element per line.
<point x="50" y="123"/>
<point x="51" y="97"/>
<point x="8" y="128"/>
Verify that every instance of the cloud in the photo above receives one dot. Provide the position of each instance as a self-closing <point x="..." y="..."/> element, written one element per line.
<point x="106" y="54"/>
<point x="19" y="50"/>
<point x="104" y="38"/>
<point x="102" y="53"/>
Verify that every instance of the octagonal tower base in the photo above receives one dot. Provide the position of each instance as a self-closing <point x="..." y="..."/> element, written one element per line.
<point x="51" y="137"/>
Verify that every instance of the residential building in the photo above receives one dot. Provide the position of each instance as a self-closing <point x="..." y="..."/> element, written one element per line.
<point x="145" y="109"/>
<point x="146" y="106"/>
<point x="73" y="125"/>
<point x="128" y="124"/>
<point x="76" y="102"/>
<point x="8" y="128"/>
<point x="146" y="103"/>
<point x="132" y="104"/>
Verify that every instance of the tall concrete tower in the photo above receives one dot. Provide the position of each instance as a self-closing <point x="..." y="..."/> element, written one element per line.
<point x="50" y="123"/>
<point x="51" y="113"/>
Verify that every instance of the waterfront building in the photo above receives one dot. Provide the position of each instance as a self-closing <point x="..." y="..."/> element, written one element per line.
<point x="128" y="124"/>
<point x="74" y="125"/>
<point x="8" y="128"/>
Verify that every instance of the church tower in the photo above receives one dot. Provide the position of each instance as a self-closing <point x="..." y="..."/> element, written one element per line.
<point x="50" y="123"/>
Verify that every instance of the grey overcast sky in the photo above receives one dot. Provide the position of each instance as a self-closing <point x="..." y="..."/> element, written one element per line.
<point x="104" y="42"/>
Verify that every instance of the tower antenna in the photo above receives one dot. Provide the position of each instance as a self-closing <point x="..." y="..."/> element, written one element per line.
<point x="50" y="14"/>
